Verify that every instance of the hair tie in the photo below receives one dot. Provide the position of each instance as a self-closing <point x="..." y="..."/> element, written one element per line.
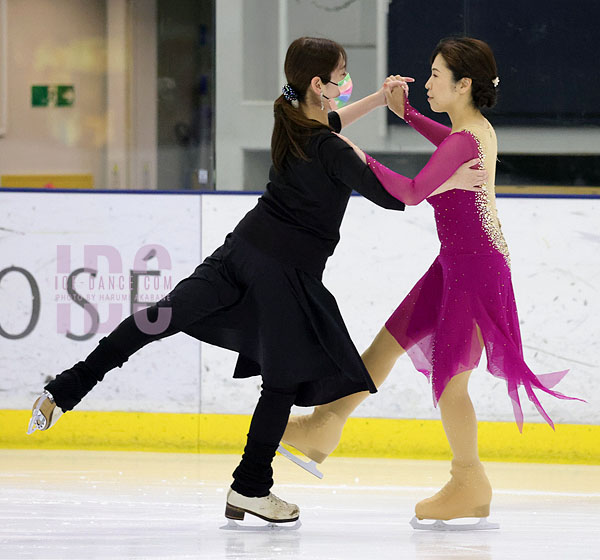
<point x="496" y="81"/>
<point x="290" y="95"/>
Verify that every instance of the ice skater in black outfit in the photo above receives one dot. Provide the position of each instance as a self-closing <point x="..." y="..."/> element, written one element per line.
<point x="260" y="293"/>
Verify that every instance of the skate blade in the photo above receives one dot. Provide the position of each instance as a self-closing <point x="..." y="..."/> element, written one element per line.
<point x="32" y="424"/>
<point x="310" y="466"/>
<point x="235" y="526"/>
<point x="438" y="525"/>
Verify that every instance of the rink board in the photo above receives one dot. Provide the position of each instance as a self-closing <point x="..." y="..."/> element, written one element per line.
<point x="556" y="268"/>
<point x="363" y="437"/>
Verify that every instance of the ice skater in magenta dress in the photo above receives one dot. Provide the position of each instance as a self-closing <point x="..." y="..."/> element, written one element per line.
<point x="464" y="302"/>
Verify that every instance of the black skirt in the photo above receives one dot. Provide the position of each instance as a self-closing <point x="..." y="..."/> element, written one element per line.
<point x="285" y="325"/>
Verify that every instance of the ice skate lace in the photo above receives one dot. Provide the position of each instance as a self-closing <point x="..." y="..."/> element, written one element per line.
<point x="276" y="501"/>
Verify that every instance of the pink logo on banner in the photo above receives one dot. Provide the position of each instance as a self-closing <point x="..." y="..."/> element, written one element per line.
<point x="101" y="287"/>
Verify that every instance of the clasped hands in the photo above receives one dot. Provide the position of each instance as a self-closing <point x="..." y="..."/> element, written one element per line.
<point x="468" y="176"/>
<point x="393" y="91"/>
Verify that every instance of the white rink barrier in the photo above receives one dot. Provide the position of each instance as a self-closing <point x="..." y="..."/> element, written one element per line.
<point x="142" y="244"/>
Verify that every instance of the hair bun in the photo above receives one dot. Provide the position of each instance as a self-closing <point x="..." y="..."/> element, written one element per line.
<point x="484" y="94"/>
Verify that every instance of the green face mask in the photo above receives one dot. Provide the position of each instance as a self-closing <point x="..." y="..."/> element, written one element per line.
<point x="345" y="91"/>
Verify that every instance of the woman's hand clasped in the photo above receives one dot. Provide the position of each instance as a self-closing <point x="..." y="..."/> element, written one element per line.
<point x="395" y="89"/>
<point x="393" y="82"/>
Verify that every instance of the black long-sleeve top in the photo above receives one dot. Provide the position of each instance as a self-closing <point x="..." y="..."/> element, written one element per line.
<point x="297" y="220"/>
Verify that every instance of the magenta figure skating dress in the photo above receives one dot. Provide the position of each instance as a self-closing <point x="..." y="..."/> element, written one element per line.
<point x="468" y="287"/>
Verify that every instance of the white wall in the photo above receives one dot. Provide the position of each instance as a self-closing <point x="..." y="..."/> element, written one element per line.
<point x="56" y="43"/>
<point x="113" y="120"/>
<point x="556" y="273"/>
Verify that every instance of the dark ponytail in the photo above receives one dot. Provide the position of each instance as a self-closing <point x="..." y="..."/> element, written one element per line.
<point x="306" y="58"/>
<point x="471" y="58"/>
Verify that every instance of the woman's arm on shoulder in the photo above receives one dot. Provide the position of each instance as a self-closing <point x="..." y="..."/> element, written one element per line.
<point x="344" y="165"/>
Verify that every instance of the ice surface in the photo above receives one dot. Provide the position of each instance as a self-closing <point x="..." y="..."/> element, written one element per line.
<point x="84" y="505"/>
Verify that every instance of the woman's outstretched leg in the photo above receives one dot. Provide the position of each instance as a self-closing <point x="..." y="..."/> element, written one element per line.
<point x="253" y="478"/>
<point x="210" y="288"/>
<point x="112" y="351"/>
<point x="318" y="434"/>
<point x="65" y="391"/>
<point x="468" y="493"/>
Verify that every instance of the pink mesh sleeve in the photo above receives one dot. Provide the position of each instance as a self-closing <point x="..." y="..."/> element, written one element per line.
<point x="435" y="132"/>
<point x="451" y="154"/>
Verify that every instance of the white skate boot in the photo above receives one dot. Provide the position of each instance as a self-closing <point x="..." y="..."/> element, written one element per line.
<point x="45" y="413"/>
<point x="270" y="508"/>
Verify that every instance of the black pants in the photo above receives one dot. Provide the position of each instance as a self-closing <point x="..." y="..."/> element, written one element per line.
<point x="254" y="475"/>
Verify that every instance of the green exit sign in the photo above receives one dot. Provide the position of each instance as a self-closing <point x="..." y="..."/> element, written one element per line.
<point x="52" y="96"/>
<point x="39" y="96"/>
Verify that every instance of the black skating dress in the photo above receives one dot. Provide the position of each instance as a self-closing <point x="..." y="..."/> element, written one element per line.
<point x="260" y="294"/>
<point x="267" y="299"/>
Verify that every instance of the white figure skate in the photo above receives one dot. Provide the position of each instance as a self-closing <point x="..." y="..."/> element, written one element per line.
<point x="45" y="413"/>
<point x="269" y="508"/>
